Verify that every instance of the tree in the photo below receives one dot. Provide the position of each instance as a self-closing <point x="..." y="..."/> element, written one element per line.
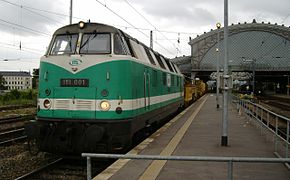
<point x="2" y="82"/>
<point x="35" y="75"/>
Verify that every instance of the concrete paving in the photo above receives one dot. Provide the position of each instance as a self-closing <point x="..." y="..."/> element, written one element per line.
<point x="197" y="132"/>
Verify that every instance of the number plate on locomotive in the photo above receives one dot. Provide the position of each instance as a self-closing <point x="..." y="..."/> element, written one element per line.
<point x="74" y="82"/>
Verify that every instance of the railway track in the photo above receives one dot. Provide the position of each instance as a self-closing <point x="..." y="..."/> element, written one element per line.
<point x="13" y="123"/>
<point x="12" y="136"/>
<point x="12" y="107"/>
<point x="278" y="105"/>
<point x="16" y="119"/>
<point x="64" y="169"/>
<point x="37" y="171"/>
<point x="276" y="102"/>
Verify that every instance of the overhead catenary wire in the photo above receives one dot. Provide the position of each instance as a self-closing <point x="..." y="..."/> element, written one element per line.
<point x="132" y="25"/>
<point x="53" y="20"/>
<point x="25" y="28"/>
<point x="286" y="17"/>
<point x="42" y="10"/>
<point x="155" y="28"/>
<point x="164" y="31"/>
<point x="26" y="49"/>
<point x="31" y="11"/>
<point x="30" y="60"/>
<point x="65" y="15"/>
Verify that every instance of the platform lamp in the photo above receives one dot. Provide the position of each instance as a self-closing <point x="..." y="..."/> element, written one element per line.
<point x="218" y="25"/>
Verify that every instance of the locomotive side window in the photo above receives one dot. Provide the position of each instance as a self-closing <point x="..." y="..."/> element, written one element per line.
<point x="129" y="46"/>
<point x="64" y="44"/>
<point x="172" y="65"/>
<point x="168" y="65"/>
<point x="95" y="43"/>
<point x="154" y="58"/>
<point x="119" y="46"/>
<point x="139" y="51"/>
<point x="164" y="62"/>
<point x="160" y="61"/>
<point x="149" y="56"/>
<point x="176" y="68"/>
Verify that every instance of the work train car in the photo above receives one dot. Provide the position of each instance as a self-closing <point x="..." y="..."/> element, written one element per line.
<point x="98" y="87"/>
<point x="193" y="89"/>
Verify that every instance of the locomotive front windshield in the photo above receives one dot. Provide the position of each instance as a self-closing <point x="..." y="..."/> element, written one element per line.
<point x="90" y="43"/>
<point x="96" y="44"/>
<point x="64" y="44"/>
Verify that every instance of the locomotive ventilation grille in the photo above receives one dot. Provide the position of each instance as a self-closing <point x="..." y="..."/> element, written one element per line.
<point x="62" y="104"/>
<point x="84" y="105"/>
<point x="70" y="104"/>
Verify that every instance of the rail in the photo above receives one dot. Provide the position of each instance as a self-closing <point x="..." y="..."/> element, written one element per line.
<point x="229" y="160"/>
<point x="12" y="136"/>
<point x="277" y="125"/>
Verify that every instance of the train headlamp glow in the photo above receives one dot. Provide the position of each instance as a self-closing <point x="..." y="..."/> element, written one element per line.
<point x="81" y="24"/>
<point x="105" y="105"/>
<point x="47" y="103"/>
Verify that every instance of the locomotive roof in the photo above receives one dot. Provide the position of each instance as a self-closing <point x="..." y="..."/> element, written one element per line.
<point x="98" y="27"/>
<point x="89" y="27"/>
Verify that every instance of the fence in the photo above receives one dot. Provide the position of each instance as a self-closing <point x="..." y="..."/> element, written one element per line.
<point x="274" y="123"/>
<point x="229" y="160"/>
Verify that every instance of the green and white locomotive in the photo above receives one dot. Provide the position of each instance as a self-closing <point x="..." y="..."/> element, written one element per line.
<point x="98" y="87"/>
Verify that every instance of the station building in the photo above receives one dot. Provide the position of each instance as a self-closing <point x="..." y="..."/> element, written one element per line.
<point x="19" y="80"/>
<point x="257" y="53"/>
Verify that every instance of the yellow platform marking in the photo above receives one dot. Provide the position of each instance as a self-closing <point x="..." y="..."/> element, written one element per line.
<point x="116" y="166"/>
<point x="155" y="167"/>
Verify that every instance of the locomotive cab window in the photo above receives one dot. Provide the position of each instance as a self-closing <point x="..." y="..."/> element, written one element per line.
<point x="64" y="44"/>
<point x="96" y="43"/>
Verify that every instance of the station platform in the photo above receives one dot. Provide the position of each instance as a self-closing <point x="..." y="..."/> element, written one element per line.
<point x="197" y="132"/>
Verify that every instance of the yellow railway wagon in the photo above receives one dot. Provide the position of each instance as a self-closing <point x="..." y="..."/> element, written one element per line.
<point x="193" y="90"/>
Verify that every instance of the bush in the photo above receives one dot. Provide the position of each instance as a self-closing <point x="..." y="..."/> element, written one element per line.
<point x="15" y="94"/>
<point x="16" y="97"/>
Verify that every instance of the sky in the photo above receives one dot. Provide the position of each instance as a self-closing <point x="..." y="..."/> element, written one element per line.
<point x="29" y="24"/>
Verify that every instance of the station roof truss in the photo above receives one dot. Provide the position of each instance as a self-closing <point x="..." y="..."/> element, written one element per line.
<point x="252" y="46"/>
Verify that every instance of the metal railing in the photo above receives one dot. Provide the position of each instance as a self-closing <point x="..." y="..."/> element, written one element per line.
<point x="229" y="160"/>
<point x="277" y="125"/>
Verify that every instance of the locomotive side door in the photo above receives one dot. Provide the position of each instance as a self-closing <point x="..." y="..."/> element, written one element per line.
<point x="146" y="88"/>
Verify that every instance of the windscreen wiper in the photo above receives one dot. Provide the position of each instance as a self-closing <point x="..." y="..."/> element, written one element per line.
<point x="88" y="39"/>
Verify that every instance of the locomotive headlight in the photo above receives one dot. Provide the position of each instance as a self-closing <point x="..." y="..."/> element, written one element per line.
<point x="81" y="24"/>
<point x="47" y="103"/>
<point x="105" y="105"/>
